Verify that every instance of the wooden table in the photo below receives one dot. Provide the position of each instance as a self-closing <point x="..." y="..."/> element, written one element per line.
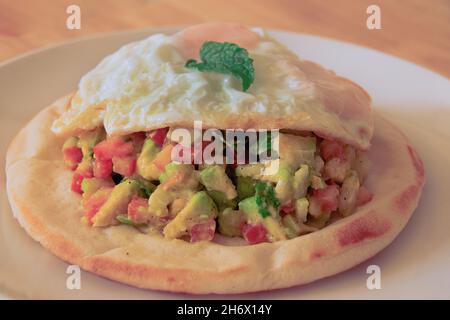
<point x="416" y="30"/>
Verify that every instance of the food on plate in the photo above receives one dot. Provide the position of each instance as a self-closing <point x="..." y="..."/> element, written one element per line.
<point x="118" y="202"/>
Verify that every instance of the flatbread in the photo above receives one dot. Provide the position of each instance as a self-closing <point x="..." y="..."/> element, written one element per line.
<point x="39" y="192"/>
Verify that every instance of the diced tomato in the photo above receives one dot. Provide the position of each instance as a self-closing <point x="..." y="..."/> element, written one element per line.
<point x="72" y="157"/>
<point x="287" y="208"/>
<point x="138" y="139"/>
<point x="113" y="147"/>
<point x="125" y="166"/>
<point x="138" y="136"/>
<point x="159" y="136"/>
<point x="94" y="203"/>
<point x="364" y="196"/>
<point x="332" y="149"/>
<point x="102" y="168"/>
<point x="137" y="209"/>
<point x="76" y="182"/>
<point x="196" y="152"/>
<point x="163" y="157"/>
<point x="254" y="234"/>
<point x="203" y="231"/>
<point x="328" y="197"/>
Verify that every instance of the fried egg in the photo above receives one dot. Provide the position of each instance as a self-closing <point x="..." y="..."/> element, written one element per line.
<point x="145" y="85"/>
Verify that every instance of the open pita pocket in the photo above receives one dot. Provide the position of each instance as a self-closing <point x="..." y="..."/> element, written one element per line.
<point x="38" y="182"/>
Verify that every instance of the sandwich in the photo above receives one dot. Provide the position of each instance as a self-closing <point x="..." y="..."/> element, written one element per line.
<point x="213" y="160"/>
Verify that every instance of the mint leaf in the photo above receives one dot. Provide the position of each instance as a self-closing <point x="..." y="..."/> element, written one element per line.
<point x="226" y="58"/>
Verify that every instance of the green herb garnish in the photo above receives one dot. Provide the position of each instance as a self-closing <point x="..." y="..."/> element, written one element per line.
<point x="226" y="58"/>
<point x="265" y="197"/>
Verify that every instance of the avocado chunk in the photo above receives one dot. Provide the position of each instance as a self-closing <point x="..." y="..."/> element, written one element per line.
<point x="292" y="185"/>
<point x="297" y="150"/>
<point x="116" y="204"/>
<point x="70" y="142"/>
<point x="144" y="163"/>
<point x="214" y="178"/>
<point x="221" y="200"/>
<point x="230" y="222"/>
<point x="123" y="219"/>
<point x="179" y="176"/>
<point x="146" y="187"/>
<point x="292" y="227"/>
<point x="177" y="181"/>
<point x="90" y="185"/>
<point x="159" y="200"/>
<point x="319" y="222"/>
<point x="249" y="207"/>
<point x="200" y="208"/>
<point x="88" y="139"/>
<point x="301" y="209"/>
<point x="245" y="187"/>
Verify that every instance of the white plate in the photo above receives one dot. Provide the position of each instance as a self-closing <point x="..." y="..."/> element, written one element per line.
<point x="416" y="265"/>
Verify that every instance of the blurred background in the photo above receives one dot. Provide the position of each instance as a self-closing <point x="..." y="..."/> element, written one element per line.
<point x="415" y="30"/>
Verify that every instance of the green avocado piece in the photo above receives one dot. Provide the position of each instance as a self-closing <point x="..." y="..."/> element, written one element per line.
<point x="146" y="188"/>
<point x="292" y="227"/>
<point x="70" y="142"/>
<point x="296" y="150"/>
<point x="200" y="208"/>
<point x="123" y="219"/>
<point x="250" y="208"/>
<point x="301" y="209"/>
<point x="90" y="185"/>
<point x="221" y="200"/>
<point x="214" y="178"/>
<point x="170" y="170"/>
<point x="245" y="187"/>
<point x="320" y="221"/>
<point x="230" y="222"/>
<point x="89" y="139"/>
<point x="159" y="200"/>
<point x="116" y="204"/>
<point x="187" y="175"/>
<point x="144" y="165"/>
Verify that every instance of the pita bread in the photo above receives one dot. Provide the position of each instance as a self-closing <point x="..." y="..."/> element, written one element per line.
<point x="38" y="189"/>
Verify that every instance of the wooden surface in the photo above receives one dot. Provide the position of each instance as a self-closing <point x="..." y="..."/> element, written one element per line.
<point x="416" y="30"/>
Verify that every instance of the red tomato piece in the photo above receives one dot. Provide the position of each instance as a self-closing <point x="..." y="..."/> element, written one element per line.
<point x="138" y="139"/>
<point x="159" y="136"/>
<point x="76" y="182"/>
<point x="192" y="150"/>
<point x="203" y="231"/>
<point x="364" y="196"/>
<point x="137" y="209"/>
<point x="113" y="147"/>
<point x="72" y="157"/>
<point x="287" y="208"/>
<point x="327" y="197"/>
<point x="332" y="149"/>
<point x="102" y="168"/>
<point x="125" y="166"/>
<point x="254" y="234"/>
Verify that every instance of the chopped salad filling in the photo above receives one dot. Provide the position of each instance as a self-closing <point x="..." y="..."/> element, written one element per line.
<point x="131" y="180"/>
